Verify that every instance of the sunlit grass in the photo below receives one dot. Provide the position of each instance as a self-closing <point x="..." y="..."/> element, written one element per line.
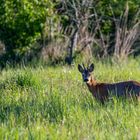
<point x="54" y="103"/>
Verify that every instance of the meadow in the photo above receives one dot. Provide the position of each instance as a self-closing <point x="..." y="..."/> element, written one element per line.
<point x="53" y="103"/>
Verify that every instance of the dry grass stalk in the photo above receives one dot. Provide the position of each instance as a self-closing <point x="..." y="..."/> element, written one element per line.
<point x="125" y="37"/>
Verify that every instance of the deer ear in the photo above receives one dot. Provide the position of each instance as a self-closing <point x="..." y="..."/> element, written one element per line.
<point x="91" y="67"/>
<point x="80" y="68"/>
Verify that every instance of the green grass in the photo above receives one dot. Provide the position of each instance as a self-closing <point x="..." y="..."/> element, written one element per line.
<point x="53" y="103"/>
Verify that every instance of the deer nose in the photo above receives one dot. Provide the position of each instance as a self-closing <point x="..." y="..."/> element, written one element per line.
<point x="85" y="80"/>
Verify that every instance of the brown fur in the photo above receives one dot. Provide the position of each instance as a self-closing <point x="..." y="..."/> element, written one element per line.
<point x="101" y="91"/>
<point x="98" y="90"/>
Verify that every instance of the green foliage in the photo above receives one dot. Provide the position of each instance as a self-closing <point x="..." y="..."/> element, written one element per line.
<point x="27" y="26"/>
<point x="22" y="23"/>
<point x="63" y="108"/>
<point x="107" y="9"/>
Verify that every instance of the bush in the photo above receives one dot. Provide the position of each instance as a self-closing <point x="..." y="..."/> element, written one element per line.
<point x="22" y="24"/>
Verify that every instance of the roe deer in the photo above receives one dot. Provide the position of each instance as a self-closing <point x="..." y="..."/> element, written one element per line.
<point x="101" y="91"/>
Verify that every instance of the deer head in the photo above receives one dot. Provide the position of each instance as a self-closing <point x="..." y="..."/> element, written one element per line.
<point x="86" y="72"/>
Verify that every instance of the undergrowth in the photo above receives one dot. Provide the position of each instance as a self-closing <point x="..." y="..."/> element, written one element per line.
<point x="54" y="104"/>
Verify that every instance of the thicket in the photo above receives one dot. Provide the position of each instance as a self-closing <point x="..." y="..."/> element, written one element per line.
<point x="61" y="30"/>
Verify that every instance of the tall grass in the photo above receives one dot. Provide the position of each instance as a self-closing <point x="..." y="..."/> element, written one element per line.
<point x="54" y="104"/>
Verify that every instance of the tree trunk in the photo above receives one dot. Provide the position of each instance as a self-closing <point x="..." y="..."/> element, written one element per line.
<point x="71" y="46"/>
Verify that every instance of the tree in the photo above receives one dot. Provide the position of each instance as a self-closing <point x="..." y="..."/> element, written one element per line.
<point x="92" y="22"/>
<point x="78" y="13"/>
<point x="21" y="24"/>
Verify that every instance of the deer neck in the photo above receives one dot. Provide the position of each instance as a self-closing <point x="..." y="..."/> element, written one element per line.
<point x="92" y="82"/>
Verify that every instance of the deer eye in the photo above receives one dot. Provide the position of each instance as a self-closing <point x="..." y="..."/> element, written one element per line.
<point x="83" y="74"/>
